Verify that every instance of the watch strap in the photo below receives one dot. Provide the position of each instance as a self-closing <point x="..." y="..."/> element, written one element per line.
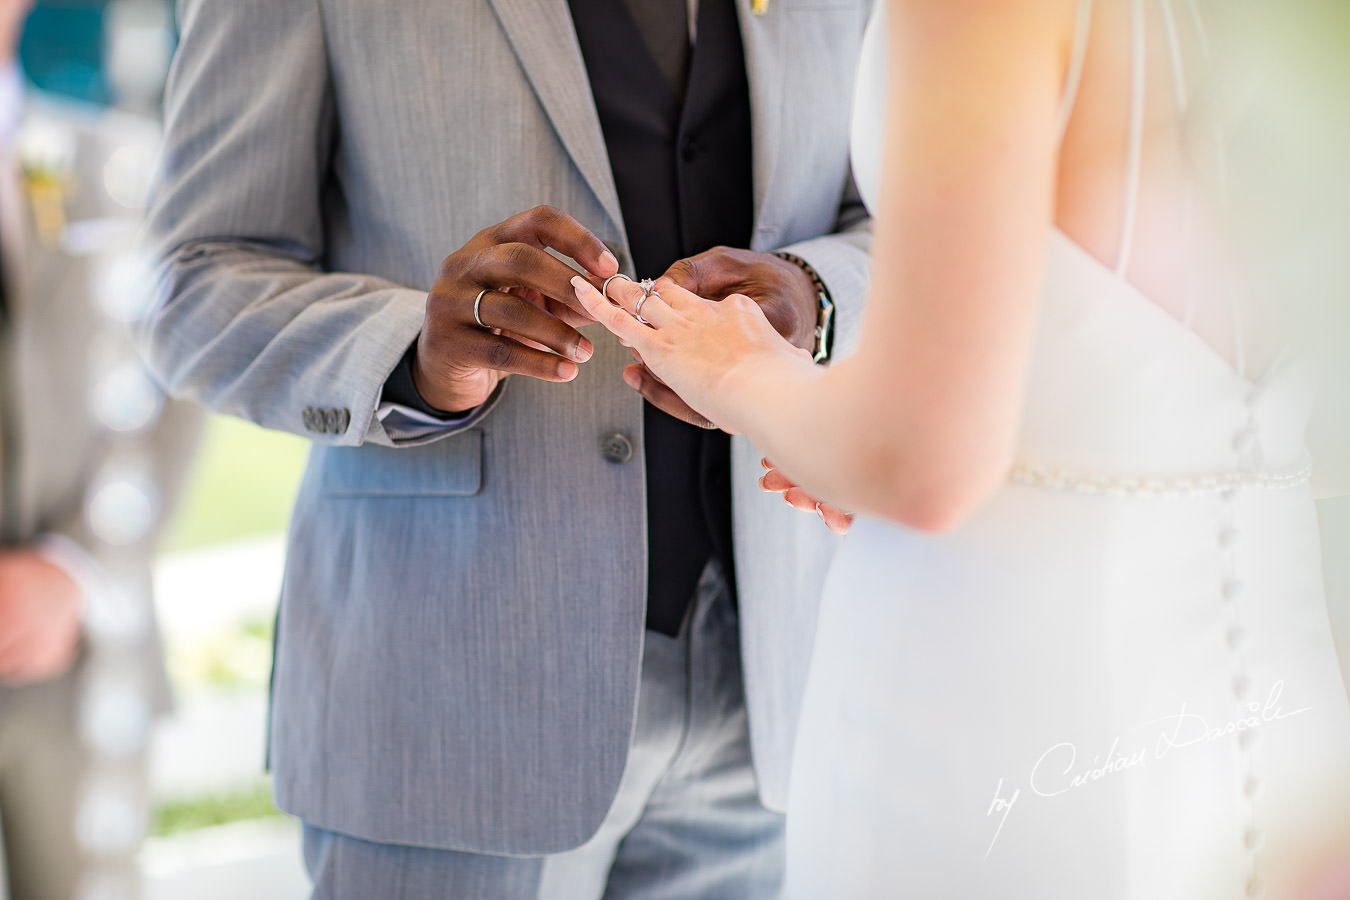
<point x="825" y="311"/>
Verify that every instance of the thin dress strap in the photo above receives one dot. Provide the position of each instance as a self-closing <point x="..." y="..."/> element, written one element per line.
<point x="1178" y="65"/>
<point x="1183" y="101"/>
<point x="1074" y="78"/>
<point x="1135" y="150"/>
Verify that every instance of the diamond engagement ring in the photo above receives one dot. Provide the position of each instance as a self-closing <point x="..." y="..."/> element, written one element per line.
<point x="648" y="289"/>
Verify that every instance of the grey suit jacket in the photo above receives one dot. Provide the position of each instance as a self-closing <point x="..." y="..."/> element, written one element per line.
<point x="52" y="352"/>
<point x="462" y="621"/>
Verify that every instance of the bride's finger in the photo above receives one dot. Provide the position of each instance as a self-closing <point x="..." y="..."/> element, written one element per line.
<point x="635" y="301"/>
<point x="676" y="297"/>
<point x="776" y="482"/>
<point x="629" y="330"/>
<point x="836" y="520"/>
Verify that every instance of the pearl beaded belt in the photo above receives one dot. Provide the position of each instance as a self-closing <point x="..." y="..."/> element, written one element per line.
<point x="1078" y="481"/>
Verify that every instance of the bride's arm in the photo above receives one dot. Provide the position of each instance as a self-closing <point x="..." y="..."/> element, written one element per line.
<point x="919" y="426"/>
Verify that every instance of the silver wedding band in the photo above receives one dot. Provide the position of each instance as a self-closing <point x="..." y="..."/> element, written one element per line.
<point x="604" y="288"/>
<point x="477" y="302"/>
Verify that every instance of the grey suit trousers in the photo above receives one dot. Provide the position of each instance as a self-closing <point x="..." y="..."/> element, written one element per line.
<point x="687" y="823"/>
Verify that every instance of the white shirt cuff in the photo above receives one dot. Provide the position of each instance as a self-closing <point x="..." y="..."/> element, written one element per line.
<point x="403" y="423"/>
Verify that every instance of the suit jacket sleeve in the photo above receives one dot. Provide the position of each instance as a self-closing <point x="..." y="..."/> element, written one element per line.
<point x="246" y="320"/>
<point x="843" y="260"/>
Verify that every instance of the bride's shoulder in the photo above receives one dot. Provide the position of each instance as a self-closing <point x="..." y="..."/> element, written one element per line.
<point x="975" y="36"/>
<point x="949" y="13"/>
<point x="924" y="23"/>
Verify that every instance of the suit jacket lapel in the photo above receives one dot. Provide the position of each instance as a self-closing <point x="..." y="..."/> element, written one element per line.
<point x="762" y="37"/>
<point x="546" y="46"/>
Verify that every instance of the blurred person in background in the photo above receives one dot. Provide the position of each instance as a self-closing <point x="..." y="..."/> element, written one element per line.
<point x="58" y="227"/>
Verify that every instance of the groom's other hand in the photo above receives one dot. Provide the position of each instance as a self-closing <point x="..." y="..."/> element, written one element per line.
<point x="529" y="313"/>
<point x="783" y="291"/>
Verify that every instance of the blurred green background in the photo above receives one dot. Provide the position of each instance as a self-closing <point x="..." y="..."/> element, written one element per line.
<point x="242" y="484"/>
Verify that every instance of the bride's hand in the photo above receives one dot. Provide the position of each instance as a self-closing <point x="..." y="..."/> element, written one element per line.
<point x="775" y="482"/>
<point x="695" y="347"/>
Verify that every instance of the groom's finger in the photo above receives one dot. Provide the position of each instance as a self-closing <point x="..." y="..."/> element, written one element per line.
<point x="523" y="319"/>
<point x="555" y="308"/>
<point x="564" y="313"/>
<point x="714" y="273"/>
<point x="521" y="265"/>
<point x="545" y="226"/>
<point x="487" y="350"/>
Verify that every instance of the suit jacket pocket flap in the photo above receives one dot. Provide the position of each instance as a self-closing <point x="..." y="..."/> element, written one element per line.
<point x="449" y="468"/>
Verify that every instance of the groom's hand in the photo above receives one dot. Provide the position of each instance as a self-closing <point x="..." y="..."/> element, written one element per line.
<point x="529" y="313"/>
<point x="782" y="290"/>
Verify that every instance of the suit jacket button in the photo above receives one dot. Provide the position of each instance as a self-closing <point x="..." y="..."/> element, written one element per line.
<point x="616" y="448"/>
<point x="307" y="416"/>
<point x="344" y="420"/>
<point x="330" y="421"/>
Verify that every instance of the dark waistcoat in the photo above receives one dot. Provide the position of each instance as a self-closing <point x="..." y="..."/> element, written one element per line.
<point x="682" y="165"/>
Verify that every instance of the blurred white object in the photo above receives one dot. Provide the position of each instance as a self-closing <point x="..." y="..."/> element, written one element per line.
<point x="125" y="506"/>
<point x="219" y="587"/>
<point x="138" y="38"/>
<point x="111" y="819"/>
<point x="259" y="860"/>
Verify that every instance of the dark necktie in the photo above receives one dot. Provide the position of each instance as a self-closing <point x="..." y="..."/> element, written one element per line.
<point x="664" y="25"/>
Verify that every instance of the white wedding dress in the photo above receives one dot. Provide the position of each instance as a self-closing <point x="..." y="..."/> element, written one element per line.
<point x="1117" y="680"/>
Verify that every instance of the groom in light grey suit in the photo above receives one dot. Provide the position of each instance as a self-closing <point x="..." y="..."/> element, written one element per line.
<point x="478" y="692"/>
